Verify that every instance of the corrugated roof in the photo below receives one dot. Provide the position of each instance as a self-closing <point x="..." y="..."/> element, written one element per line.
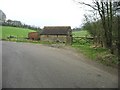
<point x="56" y="30"/>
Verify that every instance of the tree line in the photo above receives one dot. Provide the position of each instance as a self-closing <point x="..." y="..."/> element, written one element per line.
<point x="15" y="23"/>
<point x="104" y="24"/>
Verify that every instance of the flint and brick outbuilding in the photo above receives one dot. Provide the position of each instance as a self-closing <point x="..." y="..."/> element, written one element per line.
<point x="56" y="34"/>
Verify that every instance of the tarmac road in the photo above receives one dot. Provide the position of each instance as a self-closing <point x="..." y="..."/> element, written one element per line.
<point x="27" y="65"/>
<point x="0" y="65"/>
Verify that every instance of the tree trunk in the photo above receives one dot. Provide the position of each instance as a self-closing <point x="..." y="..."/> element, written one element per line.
<point x="118" y="42"/>
<point x="110" y="27"/>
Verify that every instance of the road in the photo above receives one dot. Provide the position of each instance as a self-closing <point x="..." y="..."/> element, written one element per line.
<point x="0" y="64"/>
<point x="38" y="66"/>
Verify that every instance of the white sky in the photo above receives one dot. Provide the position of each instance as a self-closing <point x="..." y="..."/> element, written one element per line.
<point x="44" y="12"/>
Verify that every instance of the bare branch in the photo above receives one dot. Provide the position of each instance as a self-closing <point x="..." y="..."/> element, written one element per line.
<point x="88" y="5"/>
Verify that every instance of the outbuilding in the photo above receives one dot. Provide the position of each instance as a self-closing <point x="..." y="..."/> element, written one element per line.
<point x="57" y="34"/>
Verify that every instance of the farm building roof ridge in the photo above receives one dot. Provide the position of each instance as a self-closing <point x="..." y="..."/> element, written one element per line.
<point x="56" y="30"/>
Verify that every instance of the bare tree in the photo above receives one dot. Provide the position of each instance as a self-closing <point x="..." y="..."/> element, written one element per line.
<point x="105" y="11"/>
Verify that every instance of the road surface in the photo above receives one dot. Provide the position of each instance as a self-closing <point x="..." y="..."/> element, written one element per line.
<point x="0" y="65"/>
<point x="37" y="66"/>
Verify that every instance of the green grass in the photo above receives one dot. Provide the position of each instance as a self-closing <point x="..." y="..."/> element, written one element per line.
<point x="0" y="32"/>
<point x="82" y="44"/>
<point x="89" y="51"/>
<point x="14" y="31"/>
<point x="99" y="54"/>
<point x="82" y="33"/>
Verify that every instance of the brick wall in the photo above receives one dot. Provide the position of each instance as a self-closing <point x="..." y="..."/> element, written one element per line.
<point x="33" y="36"/>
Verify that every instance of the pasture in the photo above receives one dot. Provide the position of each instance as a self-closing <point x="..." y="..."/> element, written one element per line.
<point x="82" y="33"/>
<point x="13" y="31"/>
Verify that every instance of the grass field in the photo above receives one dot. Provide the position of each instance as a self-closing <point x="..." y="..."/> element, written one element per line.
<point x="17" y="32"/>
<point x="82" y="33"/>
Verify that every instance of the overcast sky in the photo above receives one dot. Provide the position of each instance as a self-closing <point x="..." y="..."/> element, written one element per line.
<point x="44" y="12"/>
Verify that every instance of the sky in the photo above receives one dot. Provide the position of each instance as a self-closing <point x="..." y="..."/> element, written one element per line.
<point x="44" y="12"/>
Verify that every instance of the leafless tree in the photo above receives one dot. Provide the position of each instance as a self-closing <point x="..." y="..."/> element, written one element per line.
<point x="105" y="11"/>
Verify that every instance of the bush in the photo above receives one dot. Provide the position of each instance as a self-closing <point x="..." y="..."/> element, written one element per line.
<point x="81" y="41"/>
<point x="107" y="59"/>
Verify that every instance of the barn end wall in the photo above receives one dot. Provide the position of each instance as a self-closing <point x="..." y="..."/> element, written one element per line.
<point x="53" y="38"/>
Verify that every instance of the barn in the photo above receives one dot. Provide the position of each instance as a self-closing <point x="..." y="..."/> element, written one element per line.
<point x="56" y="34"/>
<point x="33" y="36"/>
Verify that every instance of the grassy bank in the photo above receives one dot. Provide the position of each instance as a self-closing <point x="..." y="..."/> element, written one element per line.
<point x="99" y="54"/>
